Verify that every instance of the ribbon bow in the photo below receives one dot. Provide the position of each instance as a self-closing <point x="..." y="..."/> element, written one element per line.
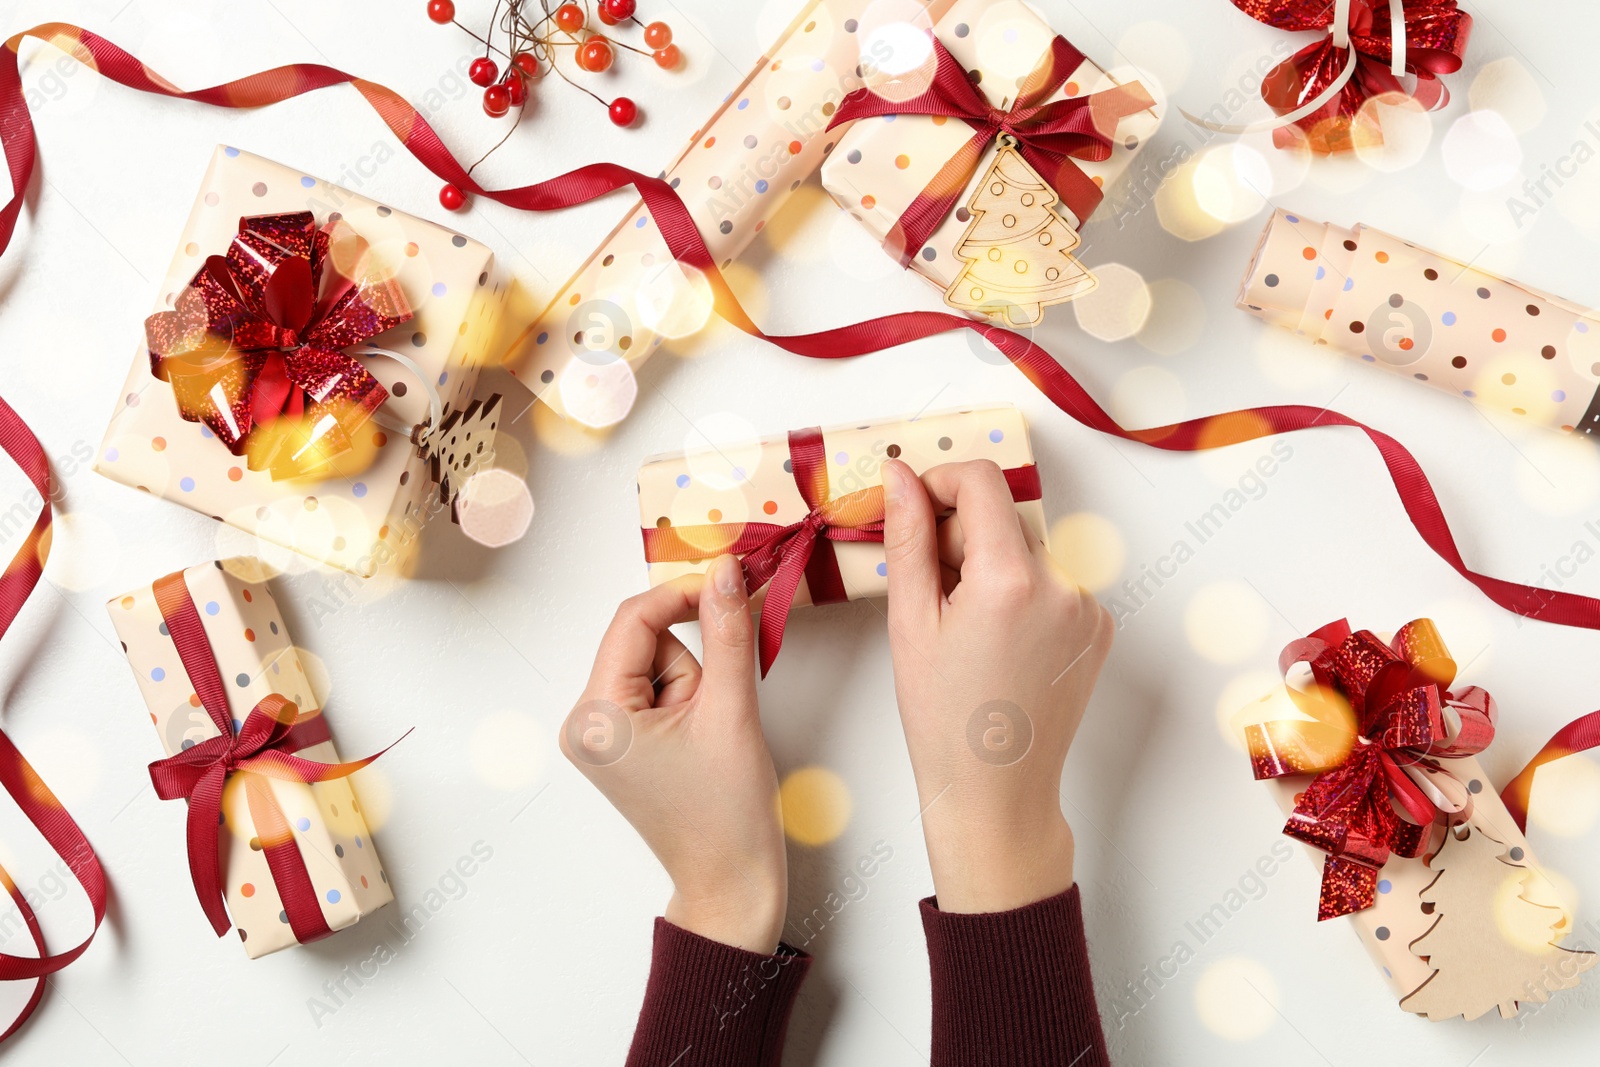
<point x="254" y="348"/>
<point x="1381" y="717"/>
<point x="1321" y="87"/>
<point x="262" y="748"/>
<point x="783" y="554"/>
<point x="1048" y="135"/>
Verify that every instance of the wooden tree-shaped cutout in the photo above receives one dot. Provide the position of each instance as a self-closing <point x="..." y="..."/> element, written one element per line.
<point x="1017" y="250"/>
<point x="1493" y="938"/>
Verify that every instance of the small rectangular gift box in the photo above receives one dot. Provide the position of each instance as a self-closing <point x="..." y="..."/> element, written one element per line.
<point x="308" y="371"/>
<point x="1429" y="317"/>
<point x="804" y="510"/>
<point x="990" y="223"/>
<point x="297" y="861"/>
<point x="1448" y="901"/>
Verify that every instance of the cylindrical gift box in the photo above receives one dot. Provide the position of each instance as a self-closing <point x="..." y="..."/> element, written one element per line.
<point x="769" y="135"/>
<point x="1430" y="317"/>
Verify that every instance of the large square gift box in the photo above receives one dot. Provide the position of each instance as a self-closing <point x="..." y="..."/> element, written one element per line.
<point x="310" y="345"/>
<point x="755" y="499"/>
<point x="258" y="665"/>
<point x="1005" y="235"/>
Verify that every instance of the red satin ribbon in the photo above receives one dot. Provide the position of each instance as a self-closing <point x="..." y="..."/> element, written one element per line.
<point x="263" y="748"/>
<point x="783" y="555"/>
<point x="1048" y="135"/>
<point x="1376" y="711"/>
<point x="1436" y="35"/>
<point x="21" y="782"/>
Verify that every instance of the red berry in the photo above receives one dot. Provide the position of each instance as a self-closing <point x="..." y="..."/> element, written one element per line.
<point x="617" y="10"/>
<point x="605" y="17"/>
<point x="595" y="55"/>
<point x="526" y="62"/>
<point x="667" y="58"/>
<point x="569" y="17"/>
<point x="452" y="198"/>
<point x="496" y="101"/>
<point x="623" y="111"/>
<point x="441" y="11"/>
<point x="483" y="71"/>
<point x="657" y="35"/>
<point x="516" y="89"/>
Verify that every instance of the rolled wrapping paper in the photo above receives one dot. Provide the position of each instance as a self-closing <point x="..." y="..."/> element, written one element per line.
<point x="1432" y="318"/>
<point x="769" y="135"/>
<point x="883" y="164"/>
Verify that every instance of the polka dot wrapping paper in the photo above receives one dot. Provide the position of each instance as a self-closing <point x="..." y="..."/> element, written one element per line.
<point x="256" y="658"/>
<point x="1429" y="317"/>
<point x="752" y="481"/>
<point x="739" y="168"/>
<point x="881" y="164"/>
<point x="369" y="503"/>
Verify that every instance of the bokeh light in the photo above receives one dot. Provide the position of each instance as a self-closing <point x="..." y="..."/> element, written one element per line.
<point x="722" y="451"/>
<point x="1236" y="998"/>
<point x="1177" y="318"/>
<point x="1117" y="308"/>
<point x="674" y="299"/>
<point x="1566" y="796"/>
<point x="494" y="507"/>
<point x="1481" y="150"/>
<point x="598" y="394"/>
<point x="375" y="793"/>
<point x="1252" y="697"/>
<point x="1089" y="548"/>
<point x="1178" y="207"/>
<point x="1226" y="622"/>
<point x="565" y="437"/>
<point x="816" y="805"/>
<point x="1391" y="132"/>
<point x="1561" y="475"/>
<point x="1506" y="86"/>
<point x="1161" y="52"/>
<point x="507" y="749"/>
<point x="318" y="677"/>
<point x="1232" y="182"/>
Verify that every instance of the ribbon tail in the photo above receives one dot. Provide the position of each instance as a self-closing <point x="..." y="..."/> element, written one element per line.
<point x="288" y="867"/>
<point x="780" y="597"/>
<point x="275" y="763"/>
<point x="1579" y="735"/>
<point x="1347" y="886"/>
<point x="205" y="860"/>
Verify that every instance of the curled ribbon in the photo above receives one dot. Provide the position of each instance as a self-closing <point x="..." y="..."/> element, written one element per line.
<point x="783" y="554"/>
<point x="263" y="748"/>
<point x="254" y="347"/>
<point x="1381" y="717"/>
<point x="1048" y="135"/>
<point x="1321" y="87"/>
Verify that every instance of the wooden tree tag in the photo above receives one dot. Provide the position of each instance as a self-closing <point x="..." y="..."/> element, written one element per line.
<point x="1495" y="925"/>
<point x="1017" y="250"/>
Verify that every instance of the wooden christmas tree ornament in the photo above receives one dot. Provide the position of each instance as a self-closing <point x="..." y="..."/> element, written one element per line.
<point x="1017" y="250"/>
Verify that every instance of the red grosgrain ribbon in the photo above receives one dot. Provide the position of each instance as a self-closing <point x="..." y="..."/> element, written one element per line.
<point x="263" y="748"/>
<point x="1048" y="135"/>
<point x="1381" y="717"/>
<point x="1368" y="45"/>
<point x="23" y="785"/>
<point x="783" y="555"/>
<point x="254" y="348"/>
<point x="683" y="240"/>
<point x="1579" y="735"/>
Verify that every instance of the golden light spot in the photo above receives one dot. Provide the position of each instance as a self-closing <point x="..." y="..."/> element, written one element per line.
<point x="1252" y="697"/>
<point x="1116" y="308"/>
<point x="1226" y="622"/>
<point x="1504" y="85"/>
<point x="1236" y="999"/>
<point x="507" y="750"/>
<point x="1089" y="548"/>
<point x="1566" y="796"/>
<point x="1391" y="132"/>
<point x="495" y="507"/>
<point x="374" y="793"/>
<point x="564" y="437"/>
<point x="816" y="805"/>
<point x="1231" y="182"/>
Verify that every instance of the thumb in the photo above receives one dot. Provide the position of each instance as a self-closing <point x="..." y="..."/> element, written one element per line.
<point x="910" y="544"/>
<point x="727" y="632"/>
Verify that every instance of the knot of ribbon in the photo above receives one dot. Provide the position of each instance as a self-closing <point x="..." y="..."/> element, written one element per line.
<point x="1049" y="134"/>
<point x="262" y="748"/>
<point x="254" y="345"/>
<point x="1321" y="87"/>
<point x="783" y="554"/>
<point x="1381" y="716"/>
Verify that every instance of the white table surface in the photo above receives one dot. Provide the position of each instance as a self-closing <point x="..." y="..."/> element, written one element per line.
<point x="542" y="956"/>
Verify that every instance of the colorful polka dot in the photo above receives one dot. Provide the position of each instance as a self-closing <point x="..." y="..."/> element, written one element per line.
<point x="682" y="481"/>
<point x="1483" y="294"/>
<point x="259" y="188"/>
<point x="996" y="436"/>
<point x="333" y="896"/>
<point x="883" y="570"/>
<point x="1309" y="252"/>
<point x="241" y="680"/>
<point x="1448" y="318"/>
<point x="901" y="162"/>
<point x="1272" y="280"/>
<point x="1498" y="335"/>
<point x="770" y="507"/>
<point x="1322" y="272"/>
<point x="1384" y="885"/>
<point x="1381" y="257"/>
<point x="359" y="489"/>
<point x="159" y="444"/>
<point x="438" y="289"/>
<point x="247" y="597"/>
<point x="249" y="634"/>
<point x="230" y="151"/>
<point x="247" y="890"/>
<point x="842" y="458"/>
<point x="157" y="674"/>
<point x="1459" y="362"/>
<point x="869" y="202"/>
<point x="111" y="455"/>
<point x="1349" y="284"/>
<point x="186" y="484"/>
<point x="302" y="824"/>
<point x="715" y="515"/>
<point x="235" y="473"/>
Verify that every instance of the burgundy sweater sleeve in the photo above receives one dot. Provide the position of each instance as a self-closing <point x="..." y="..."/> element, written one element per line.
<point x="712" y="1005"/>
<point x="1012" y="988"/>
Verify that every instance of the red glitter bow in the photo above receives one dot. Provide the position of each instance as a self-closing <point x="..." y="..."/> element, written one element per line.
<point x="1047" y="134"/>
<point x="254" y="347"/>
<point x="262" y="748"/>
<point x="1434" y="38"/>
<point x="783" y="555"/>
<point x="1381" y="717"/>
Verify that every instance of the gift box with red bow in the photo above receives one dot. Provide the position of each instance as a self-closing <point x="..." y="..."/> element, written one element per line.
<point x="804" y="510"/>
<point x="311" y="354"/>
<point x="1371" y="755"/>
<point x="978" y="152"/>
<point x="274" y="828"/>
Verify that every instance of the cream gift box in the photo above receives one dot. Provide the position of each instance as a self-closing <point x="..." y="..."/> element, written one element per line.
<point x="754" y="482"/>
<point x="882" y="164"/>
<point x="256" y="658"/>
<point x="365" y="507"/>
